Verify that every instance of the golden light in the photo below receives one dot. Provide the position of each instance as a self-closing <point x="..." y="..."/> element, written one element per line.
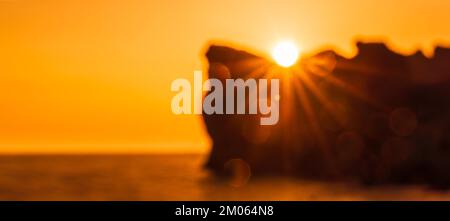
<point x="285" y="53"/>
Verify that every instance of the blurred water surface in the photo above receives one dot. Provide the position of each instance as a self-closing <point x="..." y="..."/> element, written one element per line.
<point x="167" y="177"/>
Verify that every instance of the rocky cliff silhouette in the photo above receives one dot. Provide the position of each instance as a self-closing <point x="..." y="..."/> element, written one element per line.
<point x="379" y="117"/>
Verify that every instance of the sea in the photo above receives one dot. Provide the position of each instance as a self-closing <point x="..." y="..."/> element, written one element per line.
<point x="169" y="177"/>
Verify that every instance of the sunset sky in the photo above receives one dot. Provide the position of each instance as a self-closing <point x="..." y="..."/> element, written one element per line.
<point x="95" y="75"/>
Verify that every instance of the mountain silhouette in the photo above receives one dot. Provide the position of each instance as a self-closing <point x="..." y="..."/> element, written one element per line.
<point x="378" y="117"/>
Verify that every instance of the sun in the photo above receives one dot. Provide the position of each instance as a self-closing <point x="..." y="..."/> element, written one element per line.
<point x="285" y="53"/>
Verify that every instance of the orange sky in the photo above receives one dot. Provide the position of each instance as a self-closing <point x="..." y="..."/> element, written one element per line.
<point x="95" y="75"/>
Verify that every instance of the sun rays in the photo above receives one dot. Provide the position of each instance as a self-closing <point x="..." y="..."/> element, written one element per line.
<point x="314" y="92"/>
<point x="306" y="89"/>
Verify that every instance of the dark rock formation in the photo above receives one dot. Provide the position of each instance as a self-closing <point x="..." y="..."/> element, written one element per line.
<point x="379" y="117"/>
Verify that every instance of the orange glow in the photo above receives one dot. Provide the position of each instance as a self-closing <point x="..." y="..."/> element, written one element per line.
<point x="80" y="76"/>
